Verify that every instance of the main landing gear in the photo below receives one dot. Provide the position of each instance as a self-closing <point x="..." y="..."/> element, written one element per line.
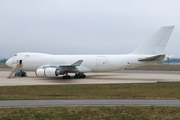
<point x="66" y="76"/>
<point x="80" y="75"/>
<point x="77" y="76"/>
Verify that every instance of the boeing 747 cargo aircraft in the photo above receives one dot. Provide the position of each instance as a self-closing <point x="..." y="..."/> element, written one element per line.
<point x="150" y="52"/>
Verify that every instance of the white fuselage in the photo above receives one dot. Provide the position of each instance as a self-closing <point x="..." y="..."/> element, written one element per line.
<point x="149" y="52"/>
<point x="91" y="63"/>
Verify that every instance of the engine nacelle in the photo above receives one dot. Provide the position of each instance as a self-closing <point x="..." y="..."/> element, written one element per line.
<point x="39" y="73"/>
<point x="49" y="72"/>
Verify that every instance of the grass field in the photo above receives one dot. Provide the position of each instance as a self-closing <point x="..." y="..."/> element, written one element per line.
<point x="159" y="67"/>
<point x="162" y="91"/>
<point x="92" y="113"/>
<point x="108" y="91"/>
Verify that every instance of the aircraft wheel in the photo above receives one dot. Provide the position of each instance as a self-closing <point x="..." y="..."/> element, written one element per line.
<point x="80" y="75"/>
<point x="76" y="76"/>
<point x="83" y="76"/>
<point x="66" y="77"/>
<point x="23" y="74"/>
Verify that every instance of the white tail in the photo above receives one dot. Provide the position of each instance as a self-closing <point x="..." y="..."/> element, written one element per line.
<point x="156" y="43"/>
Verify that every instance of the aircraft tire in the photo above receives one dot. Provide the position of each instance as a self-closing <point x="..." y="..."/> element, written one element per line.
<point x="66" y="77"/>
<point x="78" y="76"/>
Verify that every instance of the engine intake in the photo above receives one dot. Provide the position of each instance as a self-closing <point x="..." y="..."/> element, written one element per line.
<point x="49" y="72"/>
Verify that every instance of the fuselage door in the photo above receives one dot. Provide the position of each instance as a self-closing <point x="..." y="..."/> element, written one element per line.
<point x="20" y="62"/>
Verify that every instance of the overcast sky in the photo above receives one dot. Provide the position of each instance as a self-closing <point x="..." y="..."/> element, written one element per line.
<point x="85" y="26"/>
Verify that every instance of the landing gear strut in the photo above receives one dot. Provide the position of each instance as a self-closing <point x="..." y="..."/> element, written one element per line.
<point x="66" y="76"/>
<point x="80" y="75"/>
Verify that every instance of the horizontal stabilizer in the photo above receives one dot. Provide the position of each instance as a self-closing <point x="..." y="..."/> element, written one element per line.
<point x="153" y="58"/>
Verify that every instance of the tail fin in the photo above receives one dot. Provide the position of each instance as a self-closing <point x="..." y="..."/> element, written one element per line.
<point x="156" y="43"/>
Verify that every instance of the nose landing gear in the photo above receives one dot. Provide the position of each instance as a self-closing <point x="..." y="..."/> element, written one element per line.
<point x="20" y="74"/>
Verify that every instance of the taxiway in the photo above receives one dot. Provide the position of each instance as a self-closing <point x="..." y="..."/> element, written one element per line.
<point x="128" y="76"/>
<point x="58" y="103"/>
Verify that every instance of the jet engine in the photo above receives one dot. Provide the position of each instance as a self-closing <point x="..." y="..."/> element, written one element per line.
<point x="49" y="72"/>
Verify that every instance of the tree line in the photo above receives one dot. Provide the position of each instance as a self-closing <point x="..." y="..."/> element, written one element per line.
<point x="3" y="60"/>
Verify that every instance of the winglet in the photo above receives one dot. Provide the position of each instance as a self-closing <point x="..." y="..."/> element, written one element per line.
<point x="78" y="63"/>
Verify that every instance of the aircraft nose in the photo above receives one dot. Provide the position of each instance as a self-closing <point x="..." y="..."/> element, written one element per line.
<point x="9" y="62"/>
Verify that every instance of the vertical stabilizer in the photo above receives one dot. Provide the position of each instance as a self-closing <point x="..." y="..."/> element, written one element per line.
<point x="156" y="43"/>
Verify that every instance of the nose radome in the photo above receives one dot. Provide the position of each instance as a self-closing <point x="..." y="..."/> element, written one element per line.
<point x="9" y="62"/>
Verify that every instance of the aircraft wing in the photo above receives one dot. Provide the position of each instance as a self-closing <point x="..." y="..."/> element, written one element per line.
<point x="77" y="63"/>
<point x="75" y="67"/>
